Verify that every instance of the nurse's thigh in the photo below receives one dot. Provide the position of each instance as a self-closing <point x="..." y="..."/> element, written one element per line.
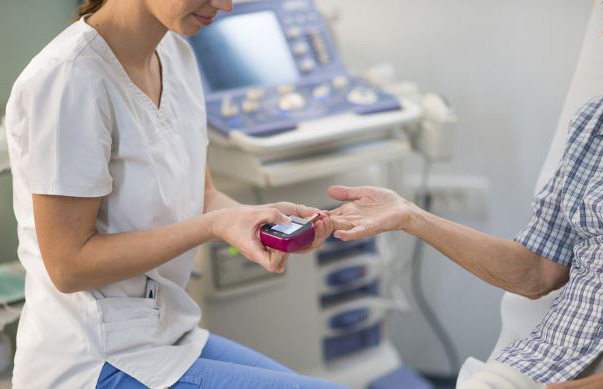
<point x="207" y="373"/>
<point x="225" y="350"/>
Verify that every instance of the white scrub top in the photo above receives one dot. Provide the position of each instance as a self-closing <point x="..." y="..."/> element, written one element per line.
<point x="77" y="126"/>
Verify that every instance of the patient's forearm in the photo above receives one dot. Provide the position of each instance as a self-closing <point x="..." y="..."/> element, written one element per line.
<point x="500" y="262"/>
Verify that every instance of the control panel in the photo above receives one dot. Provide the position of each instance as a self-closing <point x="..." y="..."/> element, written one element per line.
<point x="271" y="64"/>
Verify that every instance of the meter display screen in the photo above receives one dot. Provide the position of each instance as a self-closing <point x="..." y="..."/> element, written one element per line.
<point x="243" y="51"/>
<point x="287" y="228"/>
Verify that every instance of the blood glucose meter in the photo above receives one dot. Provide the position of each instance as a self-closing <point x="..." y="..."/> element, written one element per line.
<point x="296" y="236"/>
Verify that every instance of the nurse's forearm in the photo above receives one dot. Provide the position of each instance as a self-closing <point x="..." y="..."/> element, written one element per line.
<point x="105" y="259"/>
<point x="78" y="258"/>
<point x="500" y="262"/>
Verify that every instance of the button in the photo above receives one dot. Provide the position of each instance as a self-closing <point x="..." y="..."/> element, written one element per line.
<point x="307" y="65"/>
<point x="300" y="48"/>
<point x="294" y="32"/>
<point x="234" y="121"/>
<point x="229" y="108"/>
<point x="285" y="89"/>
<point x="254" y="93"/>
<point x="321" y="91"/>
<point x="340" y="82"/>
<point x="362" y="96"/>
<point x="292" y="102"/>
<point x="250" y="106"/>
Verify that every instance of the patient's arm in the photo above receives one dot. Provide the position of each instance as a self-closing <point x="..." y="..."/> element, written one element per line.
<point x="500" y="262"/>
<point x="595" y="381"/>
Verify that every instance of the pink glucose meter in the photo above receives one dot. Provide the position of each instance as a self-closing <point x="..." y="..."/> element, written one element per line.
<point x="289" y="238"/>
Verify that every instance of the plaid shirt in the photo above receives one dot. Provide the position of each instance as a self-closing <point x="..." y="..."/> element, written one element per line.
<point x="567" y="227"/>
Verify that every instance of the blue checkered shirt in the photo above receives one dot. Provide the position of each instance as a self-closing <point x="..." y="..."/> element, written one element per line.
<point x="567" y="227"/>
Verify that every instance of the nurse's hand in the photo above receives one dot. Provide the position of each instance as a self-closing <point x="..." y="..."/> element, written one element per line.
<point x="369" y="211"/>
<point x="240" y="226"/>
<point x="323" y="223"/>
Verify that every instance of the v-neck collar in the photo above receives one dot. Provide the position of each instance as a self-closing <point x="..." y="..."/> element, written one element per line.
<point x="142" y="97"/>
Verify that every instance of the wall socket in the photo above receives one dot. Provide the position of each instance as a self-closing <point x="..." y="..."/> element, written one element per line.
<point x="456" y="197"/>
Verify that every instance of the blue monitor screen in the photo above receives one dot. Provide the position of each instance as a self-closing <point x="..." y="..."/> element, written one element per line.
<point x="243" y="51"/>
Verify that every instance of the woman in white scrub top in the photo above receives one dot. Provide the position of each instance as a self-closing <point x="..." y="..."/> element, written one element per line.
<point x="107" y="139"/>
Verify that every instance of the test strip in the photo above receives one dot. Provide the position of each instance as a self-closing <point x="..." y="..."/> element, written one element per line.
<point x="311" y="218"/>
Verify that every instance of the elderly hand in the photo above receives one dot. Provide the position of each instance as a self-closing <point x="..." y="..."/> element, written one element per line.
<point x="323" y="224"/>
<point x="595" y="381"/>
<point x="368" y="211"/>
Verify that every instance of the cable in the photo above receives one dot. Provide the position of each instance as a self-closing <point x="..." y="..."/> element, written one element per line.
<point x="424" y="201"/>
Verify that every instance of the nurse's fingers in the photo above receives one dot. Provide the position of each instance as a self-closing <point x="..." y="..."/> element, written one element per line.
<point x="262" y="256"/>
<point x="324" y="228"/>
<point x="278" y="260"/>
<point x="298" y="210"/>
<point x="272" y="216"/>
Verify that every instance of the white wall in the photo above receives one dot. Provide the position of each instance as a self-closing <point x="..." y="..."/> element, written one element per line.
<point x="26" y="26"/>
<point x="505" y="66"/>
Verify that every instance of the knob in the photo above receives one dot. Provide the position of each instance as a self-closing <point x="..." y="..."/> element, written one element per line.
<point x="294" y="32"/>
<point x="229" y="108"/>
<point x="291" y="102"/>
<point x="362" y="95"/>
<point x="250" y="106"/>
<point x="340" y="82"/>
<point x="285" y="89"/>
<point x="307" y="65"/>
<point x="321" y="91"/>
<point x="254" y="93"/>
<point x="300" y="48"/>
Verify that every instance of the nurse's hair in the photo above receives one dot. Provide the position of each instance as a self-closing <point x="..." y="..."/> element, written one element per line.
<point x="89" y="7"/>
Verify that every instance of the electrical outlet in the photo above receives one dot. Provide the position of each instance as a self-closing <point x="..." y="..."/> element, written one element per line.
<point x="456" y="197"/>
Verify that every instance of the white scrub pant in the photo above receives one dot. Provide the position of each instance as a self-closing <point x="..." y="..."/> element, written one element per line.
<point x="497" y="375"/>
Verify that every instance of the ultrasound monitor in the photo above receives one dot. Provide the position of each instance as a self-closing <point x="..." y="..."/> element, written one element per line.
<point x="270" y="65"/>
<point x="245" y="51"/>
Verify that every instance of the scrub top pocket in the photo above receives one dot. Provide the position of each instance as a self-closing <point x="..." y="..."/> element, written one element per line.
<point x="128" y="322"/>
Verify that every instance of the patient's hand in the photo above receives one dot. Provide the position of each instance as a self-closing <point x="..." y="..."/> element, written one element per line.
<point x="323" y="224"/>
<point x="595" y="381"/>
<point x="369" y="211"/>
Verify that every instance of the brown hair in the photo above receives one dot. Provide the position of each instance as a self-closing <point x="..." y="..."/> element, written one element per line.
<point x="89" y="7"/>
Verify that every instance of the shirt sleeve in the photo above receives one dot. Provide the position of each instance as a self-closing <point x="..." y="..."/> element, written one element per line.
<point x="66" y="140"/>
<point x="548" y="232"/>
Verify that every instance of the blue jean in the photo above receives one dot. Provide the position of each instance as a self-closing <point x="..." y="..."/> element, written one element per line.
<point x="224" y="364"/>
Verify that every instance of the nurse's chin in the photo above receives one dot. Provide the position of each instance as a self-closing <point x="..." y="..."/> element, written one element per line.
<point x="188" y="29"/>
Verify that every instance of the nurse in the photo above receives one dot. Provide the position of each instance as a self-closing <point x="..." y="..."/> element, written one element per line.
<point x="107" y="139"/>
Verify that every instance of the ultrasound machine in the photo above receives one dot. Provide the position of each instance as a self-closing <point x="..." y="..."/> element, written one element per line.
<point x="277" y="90"/>
<point x="285" y="114"/>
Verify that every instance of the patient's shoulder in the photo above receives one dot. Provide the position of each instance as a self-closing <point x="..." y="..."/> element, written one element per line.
<point x="589" y="118"/>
